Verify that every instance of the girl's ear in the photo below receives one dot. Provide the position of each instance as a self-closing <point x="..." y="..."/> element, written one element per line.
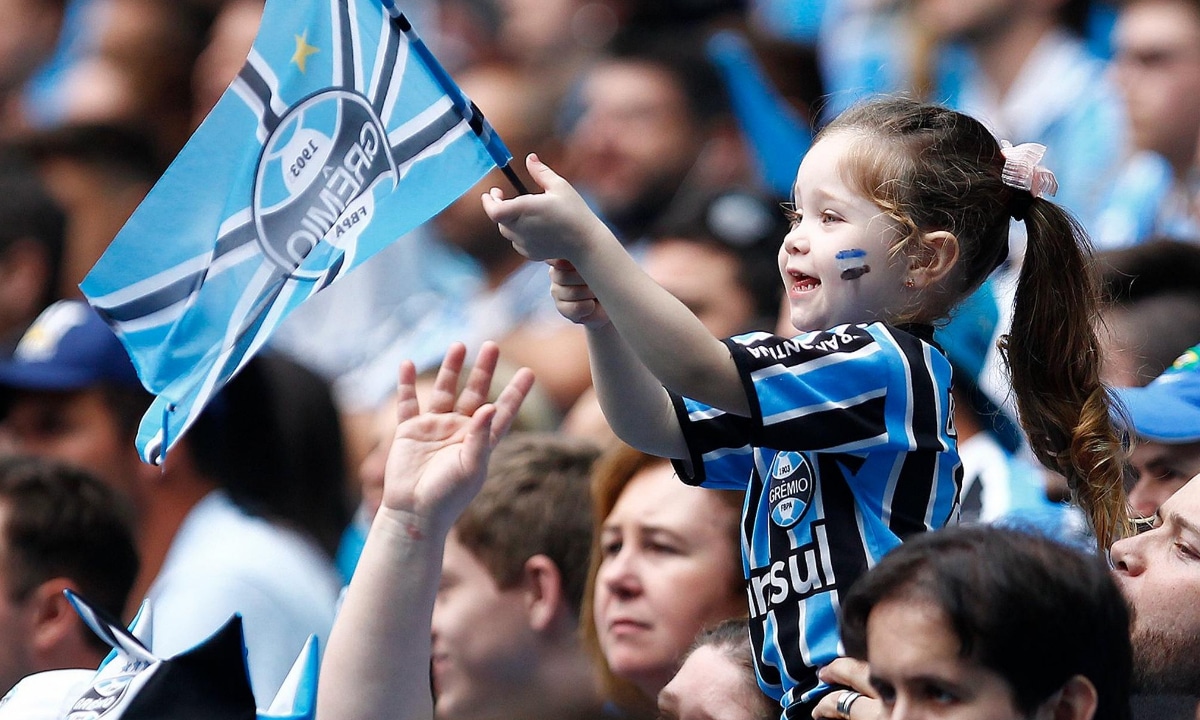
<point x="935" y="256"/>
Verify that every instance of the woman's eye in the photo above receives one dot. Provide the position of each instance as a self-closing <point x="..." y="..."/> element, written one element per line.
<point x="609" y="549"/>
<point x="1185" y="550"/>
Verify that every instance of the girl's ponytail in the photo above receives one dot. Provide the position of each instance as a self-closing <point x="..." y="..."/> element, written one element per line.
<point x="1054" y="359"/>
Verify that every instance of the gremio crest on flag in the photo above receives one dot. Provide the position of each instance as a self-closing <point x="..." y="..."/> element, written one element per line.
<point x="317" y="177"/>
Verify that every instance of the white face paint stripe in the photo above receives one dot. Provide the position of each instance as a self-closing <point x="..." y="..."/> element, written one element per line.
<point x="852" y="263"/>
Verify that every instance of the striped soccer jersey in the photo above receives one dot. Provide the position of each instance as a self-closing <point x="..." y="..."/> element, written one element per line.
<point x="850" y="448"/>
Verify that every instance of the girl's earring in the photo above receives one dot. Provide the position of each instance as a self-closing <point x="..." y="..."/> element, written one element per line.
<point x="910" y="283"/>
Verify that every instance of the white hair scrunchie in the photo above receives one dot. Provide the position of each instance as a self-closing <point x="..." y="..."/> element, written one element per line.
<point x="1022" y="171"/>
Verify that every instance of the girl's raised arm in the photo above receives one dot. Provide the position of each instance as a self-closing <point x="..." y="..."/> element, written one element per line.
<point x="659" y="330"/>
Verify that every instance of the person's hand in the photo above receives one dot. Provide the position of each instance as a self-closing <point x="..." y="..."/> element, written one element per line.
<point x="438" y="458"/>
<point x="854" y="676"/>
<point x="572" y="296"/>
<point x="554" y="224"/>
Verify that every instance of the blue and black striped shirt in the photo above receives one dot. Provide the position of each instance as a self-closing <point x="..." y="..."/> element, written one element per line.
<point x="849" y="449"/>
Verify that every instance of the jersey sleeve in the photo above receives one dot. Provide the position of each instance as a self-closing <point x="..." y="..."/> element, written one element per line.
<point x="852" y="389"/>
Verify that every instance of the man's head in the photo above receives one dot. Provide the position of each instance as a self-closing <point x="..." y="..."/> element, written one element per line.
<point x="70" y="393"/>
<point x="32" y="227"/>
<point x="1165" y="417"/>
<point x="59" y="528"/>
<point x="639" y="129"/>
<point x="506" y="617"/>
<point x="1159" y="573"/>
<point x="1158" y="70"/>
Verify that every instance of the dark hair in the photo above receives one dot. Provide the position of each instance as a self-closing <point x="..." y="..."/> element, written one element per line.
<point x="62" y="522"/>
<point x="272" y="439"/>
<point x="1026" y="607"/>
<point x="28" y="212"/>
<point x="930" y="168"/>
<point x="534" y="502"/>
<point x="680" y="55"/>
<point x="124" y="151"/>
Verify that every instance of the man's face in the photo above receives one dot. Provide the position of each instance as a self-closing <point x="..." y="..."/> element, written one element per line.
<point x="635" y="140"/>
<point x="1157" y="67"/>
<point x="14" y="619"/>
<point x="1160" y="469"/>
<point x="483" y="646"/>
<point x="1159" y="573"/>
<point x="78" y="428"/>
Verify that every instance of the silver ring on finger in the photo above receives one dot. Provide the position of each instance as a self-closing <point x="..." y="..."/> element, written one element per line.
<point x="845" y="701"/>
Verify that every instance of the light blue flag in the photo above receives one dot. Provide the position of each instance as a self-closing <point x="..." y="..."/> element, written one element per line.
<point x="340" y="134"/>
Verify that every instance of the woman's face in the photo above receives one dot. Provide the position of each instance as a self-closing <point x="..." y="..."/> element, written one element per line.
<point x="669" y="568"/>
<point x="918" y="672"/>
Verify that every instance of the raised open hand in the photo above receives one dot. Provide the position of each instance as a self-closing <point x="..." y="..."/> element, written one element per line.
<point x="438" y="459"/>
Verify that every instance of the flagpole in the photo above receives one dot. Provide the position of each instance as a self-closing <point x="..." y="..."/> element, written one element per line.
<point x="479" y="124"/>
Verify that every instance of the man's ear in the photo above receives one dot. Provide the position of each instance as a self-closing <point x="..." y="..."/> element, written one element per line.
<point x="936" y="255"/>
<point x="55" y="624"/>
<point x="543" y="585"/>
<point x="1075" y="700"/>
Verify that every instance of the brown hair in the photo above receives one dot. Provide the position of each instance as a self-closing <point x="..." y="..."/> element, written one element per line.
<point x="534" y="502"/>
<point x="731" y="638"/>
<point x="930" y="168"/>
<point x="64" y="523"/>
<point x="615" y="468"/>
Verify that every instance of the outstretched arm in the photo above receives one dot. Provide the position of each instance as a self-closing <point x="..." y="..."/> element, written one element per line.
<point x="377" y="661"/>
<point x="663" y="334"/>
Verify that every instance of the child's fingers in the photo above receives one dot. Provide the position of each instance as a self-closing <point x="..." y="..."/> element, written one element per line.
<point x="542" y="174"/>
<point x="569" y="276"/>
<point x="572" y="293"/>
<point x="578" y="312"/>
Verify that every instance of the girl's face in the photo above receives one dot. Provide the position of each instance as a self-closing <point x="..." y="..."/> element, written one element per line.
<point x="669" y="568"/>
<point x="917" y="670"/>
<point x="835" y="259"/>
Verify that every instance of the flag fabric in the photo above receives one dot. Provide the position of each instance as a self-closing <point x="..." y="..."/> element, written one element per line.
<point x="340" y="134"/>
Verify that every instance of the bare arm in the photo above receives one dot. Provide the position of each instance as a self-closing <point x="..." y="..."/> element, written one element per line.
<point x="663" y="334"/>
<point x="377" y="661"/>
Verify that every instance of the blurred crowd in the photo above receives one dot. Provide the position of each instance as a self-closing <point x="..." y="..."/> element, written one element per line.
<point x="682" y="123"/>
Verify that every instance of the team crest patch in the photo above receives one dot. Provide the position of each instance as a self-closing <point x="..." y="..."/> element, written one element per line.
<point x="790" y="487"/>
<point x="317" y="176"/>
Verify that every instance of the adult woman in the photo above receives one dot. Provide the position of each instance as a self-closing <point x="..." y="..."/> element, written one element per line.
<point x="983" y="623"/>
<point x="665" y="565"/>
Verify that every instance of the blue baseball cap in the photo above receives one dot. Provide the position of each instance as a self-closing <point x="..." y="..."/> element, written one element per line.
<point x="1168" y="409"/>
<point x="68" y="347"/>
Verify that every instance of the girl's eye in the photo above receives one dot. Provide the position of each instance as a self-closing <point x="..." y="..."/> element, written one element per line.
<point x="609" y="549"/>
<point x="940" y="695"/>
<point x="828" y="218"/>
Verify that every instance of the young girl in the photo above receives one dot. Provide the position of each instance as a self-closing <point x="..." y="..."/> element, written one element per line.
<point x="842" y="437"/>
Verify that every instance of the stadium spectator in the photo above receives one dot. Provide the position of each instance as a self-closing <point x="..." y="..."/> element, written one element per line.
<point x="60" y="529"/>
<point x="73" y="395"/>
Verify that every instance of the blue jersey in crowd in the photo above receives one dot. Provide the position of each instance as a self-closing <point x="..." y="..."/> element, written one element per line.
<point x="850" y="448"/>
